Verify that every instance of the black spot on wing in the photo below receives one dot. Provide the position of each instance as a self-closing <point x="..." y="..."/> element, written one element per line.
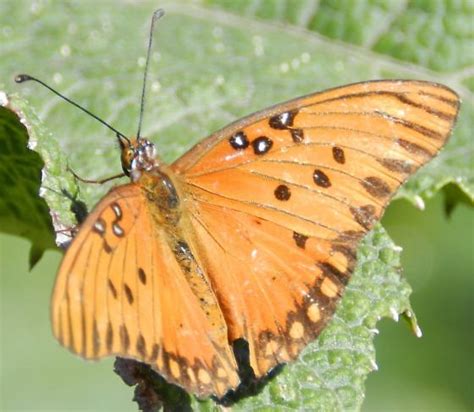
<point x="141" y="346"/>
<point x="414" y="148"/>
<point x="282" y="192"/>
<point x="364" y="215"/>
<point x="154" y="353"/>
<point x="262" y="145"/>
<point x="107" y="247"/>
<point x="338" y="155"/>
<point x="397" y="165"/>
<point x="124" y="338"/>
<point x="142" y="276"/>
<point x="376" y="187"/>
<point x="112" y="289"/>
<point x="95" y="338"/>
<point x="331" y="271"/>
<point x="297" y="135"/>
<point x="300" y="239"/>
<point x="282" y="121"/>
<point x="239" y="141"/>
<point x="128" y="293"/>
<point x="109" y="337"/>
<point x="321" y="178"/>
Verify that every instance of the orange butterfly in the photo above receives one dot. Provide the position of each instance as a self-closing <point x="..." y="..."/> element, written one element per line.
<point x="252" y="234"/>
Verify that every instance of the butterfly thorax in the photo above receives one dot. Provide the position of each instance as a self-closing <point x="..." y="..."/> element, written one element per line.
<point x="141" y="162"/>
<point x="162" y="196"/>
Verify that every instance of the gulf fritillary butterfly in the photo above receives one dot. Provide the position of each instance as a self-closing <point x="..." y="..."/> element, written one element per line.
<point x="251" y="234"/>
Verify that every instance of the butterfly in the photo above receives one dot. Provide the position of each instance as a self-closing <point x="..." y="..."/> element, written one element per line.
<point x="251" y="235"/>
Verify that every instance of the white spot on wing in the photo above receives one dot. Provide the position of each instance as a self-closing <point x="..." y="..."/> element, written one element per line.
<point x="117" y="210"/>
<point x="118" y="231"/>
<point x="99" y="227"/>
<point x="262" y="146"/>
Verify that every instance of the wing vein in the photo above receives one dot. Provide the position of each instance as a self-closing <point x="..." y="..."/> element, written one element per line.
<point x="425" y="131"/>
<point x="250" y="214"/>
<point x="402" y="97"/>
<point x="269" y="207"/>
<point x="198" y="220"/>
<point x="341" y="200"/>
<point x="285" y="148"/>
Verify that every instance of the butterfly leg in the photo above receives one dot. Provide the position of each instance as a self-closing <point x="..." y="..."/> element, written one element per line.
<point x="93" y="181"/>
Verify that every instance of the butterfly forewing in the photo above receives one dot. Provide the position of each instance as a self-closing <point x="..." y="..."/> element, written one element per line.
<point x="120" y="291"/>
<point x="281" y="199"/>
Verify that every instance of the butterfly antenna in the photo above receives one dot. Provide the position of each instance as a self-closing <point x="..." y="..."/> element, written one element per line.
<point x="156" y="16"/>
<point x="26" y="77"/>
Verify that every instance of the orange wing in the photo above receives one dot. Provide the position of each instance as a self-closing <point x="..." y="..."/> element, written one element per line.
<point x="280" y="200"/>
<point x="120" y="291"/>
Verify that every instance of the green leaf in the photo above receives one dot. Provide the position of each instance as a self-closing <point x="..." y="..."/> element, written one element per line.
<point x="435" y="35"/>
<point x="210" y="67"/>
<point x="22" y="211"/>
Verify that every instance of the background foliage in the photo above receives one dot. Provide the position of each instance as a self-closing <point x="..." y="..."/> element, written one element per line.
<point x="216" y="61"/>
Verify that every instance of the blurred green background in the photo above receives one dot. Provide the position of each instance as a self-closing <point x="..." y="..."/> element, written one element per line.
<point x="77" y="46"/>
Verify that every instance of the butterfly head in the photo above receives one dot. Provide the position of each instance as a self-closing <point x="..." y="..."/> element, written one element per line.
<point x="138" y="156"/>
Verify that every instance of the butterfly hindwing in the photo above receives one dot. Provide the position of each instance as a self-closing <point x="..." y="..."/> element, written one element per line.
<point x="279" y="289"/>
<point x="280" y="200"/>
